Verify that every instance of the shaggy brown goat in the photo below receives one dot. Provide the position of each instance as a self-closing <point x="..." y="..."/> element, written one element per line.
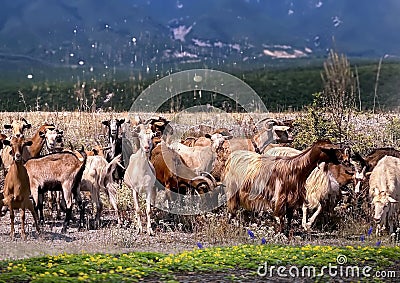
<point x="277" y="183"/>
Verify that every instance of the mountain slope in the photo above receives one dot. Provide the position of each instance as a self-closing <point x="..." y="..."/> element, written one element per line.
<point x="96" y="35"/>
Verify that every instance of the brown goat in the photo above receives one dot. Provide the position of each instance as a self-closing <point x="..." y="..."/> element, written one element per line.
<point x="38" y="141"/>
<point x="277" y="183"/>
<point x="173" y="173"/>
<point x="18" y="127"/>
<point x="322" y="185"/>
<point x="373" y="157"/>
<point x="16" y="185"/>
<point x="58" y="171"/>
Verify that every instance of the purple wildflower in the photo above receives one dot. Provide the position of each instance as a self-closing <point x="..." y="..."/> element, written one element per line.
<point x="199" y="245"/>
<point x="263" y="241"/>
<point x="251" y="234"/>
<point x="378" y="243"/>
<point x="362" y="238"/>
<point x="370" y="231"/>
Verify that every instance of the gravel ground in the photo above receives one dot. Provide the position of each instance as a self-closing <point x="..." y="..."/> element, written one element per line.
<point x="112" y="239"/>
<point x="104" y="240"/>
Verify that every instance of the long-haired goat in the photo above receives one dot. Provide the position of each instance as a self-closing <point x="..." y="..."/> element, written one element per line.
<point x="16" y="185"/>
<point x="277" y="183"/>
<point x="57" y="171"/>
<point x="323" y="183"/>
<point x="115" y="144"/>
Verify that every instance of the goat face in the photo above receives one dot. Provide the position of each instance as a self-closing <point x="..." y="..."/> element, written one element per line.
<point x="18" y="127"/>
<point x="382" y="204"/>
<point x="113" y="127"/>
<point x="333" y="154"/>
<point x="51" y="138"/>
<point x="145" y="138"/>
<point x="17" y="144"/>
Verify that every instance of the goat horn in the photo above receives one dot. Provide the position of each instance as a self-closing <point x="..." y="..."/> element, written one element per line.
<point x="211" y="177"/>
<point x="150" y="120"/>
<point x="268" y="119"/>
<point x="202" y="178"/>
<point x="120" y="165"/>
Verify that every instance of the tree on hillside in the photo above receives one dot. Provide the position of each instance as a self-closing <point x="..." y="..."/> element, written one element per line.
<point x="339" y="92"/>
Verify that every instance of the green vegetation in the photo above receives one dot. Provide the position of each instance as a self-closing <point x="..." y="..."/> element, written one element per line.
<point x="141" y="265"/>
<point x="281" y="89"/>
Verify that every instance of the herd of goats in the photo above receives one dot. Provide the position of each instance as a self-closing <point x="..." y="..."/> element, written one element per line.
<point x="259" y="173"/>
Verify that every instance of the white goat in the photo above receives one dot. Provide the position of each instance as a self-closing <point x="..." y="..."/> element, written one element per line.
<point x="384" y="190"/>
<point x="140" y="175"/>
<point x="198" y="158"/>
<point x="98" y="177"/>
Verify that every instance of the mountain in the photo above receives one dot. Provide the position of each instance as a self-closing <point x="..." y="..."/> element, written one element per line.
<point x="100" y="37"/>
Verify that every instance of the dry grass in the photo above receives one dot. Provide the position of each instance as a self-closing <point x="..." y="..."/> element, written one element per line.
<point x="211" y="228"/>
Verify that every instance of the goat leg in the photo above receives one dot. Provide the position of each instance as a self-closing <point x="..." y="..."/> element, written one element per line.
<point x="81" y="205"/>
<point x="68" y="217"/>
<point x="12" y="222"/>
<point x="313" y="217"/>
<point x="150" y="200"/>
<point x="39" y="208"/>
<point x="304" y="219"/>
<point x="289" y="216"/>
<point x="137" y="210"/>
<point x="34" y="215"/>
<point x="22" y="214"/>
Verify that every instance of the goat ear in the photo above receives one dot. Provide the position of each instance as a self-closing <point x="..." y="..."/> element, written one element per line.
<point x="7" y="126"/>
<point x="392" y="200"/>
<point x="121" y="121"/>
<point x="41" y="134"/>
<point x="368" y="173"/>
<point x="6" y="142"/>
<point x="28" y="143"/>
<point x="27" y="126"/>
<point x="208" y="136"/>
<point x="106" y="123"/>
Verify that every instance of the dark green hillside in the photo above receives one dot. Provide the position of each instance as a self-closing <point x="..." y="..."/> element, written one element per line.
<point x="279" y="88"/>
